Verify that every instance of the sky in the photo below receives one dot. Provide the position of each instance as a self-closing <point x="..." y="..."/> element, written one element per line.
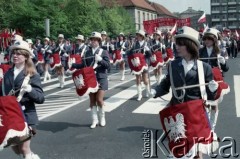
<point x="182" y="5"/>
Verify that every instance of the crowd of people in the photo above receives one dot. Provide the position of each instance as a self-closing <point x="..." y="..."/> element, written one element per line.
<point x="179" y="53"/>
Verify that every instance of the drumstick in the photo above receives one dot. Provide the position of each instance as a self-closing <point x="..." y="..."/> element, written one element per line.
<point x="195" y="85"/>
<point x="208" y="58"/>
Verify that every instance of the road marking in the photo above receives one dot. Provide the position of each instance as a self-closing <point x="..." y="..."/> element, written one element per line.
<point x="55" y="98"/>
<point x="118" y="99"/>
<point x="236" y="79"/>
<point x="153" y="106"/>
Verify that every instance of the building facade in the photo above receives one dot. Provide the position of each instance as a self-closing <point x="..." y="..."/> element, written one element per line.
<point x="141" y="10"/>
<point x="226" y="13"/>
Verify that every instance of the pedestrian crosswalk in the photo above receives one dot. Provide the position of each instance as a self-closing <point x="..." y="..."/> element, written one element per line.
<point x="64" y="99"/>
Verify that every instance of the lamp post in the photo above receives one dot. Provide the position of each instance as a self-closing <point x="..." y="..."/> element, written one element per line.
<point x="47" y="27"/>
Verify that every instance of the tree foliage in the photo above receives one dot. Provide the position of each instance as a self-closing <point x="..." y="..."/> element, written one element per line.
<point x="69" y="17"/>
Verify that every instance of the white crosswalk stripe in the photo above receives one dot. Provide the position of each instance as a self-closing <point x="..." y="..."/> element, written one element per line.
<point x="153" y="106"/>
<point x="64" y="99"/>
<point x="236" y="79"/>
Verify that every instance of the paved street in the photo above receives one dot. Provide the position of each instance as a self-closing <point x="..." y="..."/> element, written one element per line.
<point x="64" y="133"/>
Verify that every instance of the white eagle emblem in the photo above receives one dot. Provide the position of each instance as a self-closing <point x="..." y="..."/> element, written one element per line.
<point x="79" y="81"/>
<point x="177" y="129"/>
<point x="153" y="58"/>
<point x="1" y="121"/>
<point x="135" y="61"/>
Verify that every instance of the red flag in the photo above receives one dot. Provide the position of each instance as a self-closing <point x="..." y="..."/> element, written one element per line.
<point x="202" y="19"/>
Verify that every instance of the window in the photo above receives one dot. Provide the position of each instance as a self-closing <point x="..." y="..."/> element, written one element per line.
<point x="139" y="17"/>
<point x="152" y="17"/>
<point x="148" y="16"/>
<point x="143" y="16"/>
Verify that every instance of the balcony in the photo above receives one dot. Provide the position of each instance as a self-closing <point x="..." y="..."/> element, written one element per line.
<point x="232" y="19"/>
<point x="224" y="3"/>
<point x="232" y="27"/>
<point x="215" y="11"/>
<point x="232" y="11"/>
<point x="216" y="19"/>
<point x="224" y="20"/>
<point x="215" y="4"/>
<point x="232" y="3"/>
<point x="224" y="11"/>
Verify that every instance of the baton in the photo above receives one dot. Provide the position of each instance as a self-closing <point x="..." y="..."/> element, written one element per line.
<point x="195" y="85"/>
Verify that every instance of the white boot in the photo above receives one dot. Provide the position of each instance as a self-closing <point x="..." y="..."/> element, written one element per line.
<point x="139" y="89"/>
<point x="213" y="119"/>
<point x="159" y="79"/>
<point x="94" y="117"/>
<point x="32" y="156"/>
<point x="62" y="81"/>
<point x="48" y="76"/>
<point x="147" y="90"/>
<point x="45" y="77"/>
<point x="102" y="116"/>
<point x="123" y="75"/>
<point x="156" y="77"/>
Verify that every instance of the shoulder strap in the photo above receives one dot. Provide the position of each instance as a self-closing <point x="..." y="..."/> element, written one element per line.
<point x="181" y="97"/>
<point x="25" y="82"/>
<point x="201" y="79"/>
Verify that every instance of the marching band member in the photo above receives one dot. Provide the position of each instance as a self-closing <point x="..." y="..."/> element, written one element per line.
<point x="33" y="51"/>
<point x="38" y="46"/>
<point x="60" y="49"/>
<point x="211" y="50"/>
<point x="40" y="63"/>
<point x="13" y="81"/>
<point x="156" y="45"/>
<point x="46" y="50"/>
<point x="141" y="46"/>
<point x="169" y="44"/>
<point x="96" y="55"/>
<point x="184" y="72"/>
<point x="122" y="46"/>
<point x="106" y="45"/>
<point x="80" y="48"/>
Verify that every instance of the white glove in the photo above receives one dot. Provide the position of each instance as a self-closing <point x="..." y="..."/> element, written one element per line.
<point x="65" y="54"/>
<point x="213" y="86"/>
<point x="221" y="59"/>
<point x="146" y="48"/>
<point x="49" y="51"/>
<point x="27" y="88"/>
<point x="98" y="58"/>
<point x="42" y="49"/>
<point x="153" y="93"/>
<point x="163" y="46"/>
